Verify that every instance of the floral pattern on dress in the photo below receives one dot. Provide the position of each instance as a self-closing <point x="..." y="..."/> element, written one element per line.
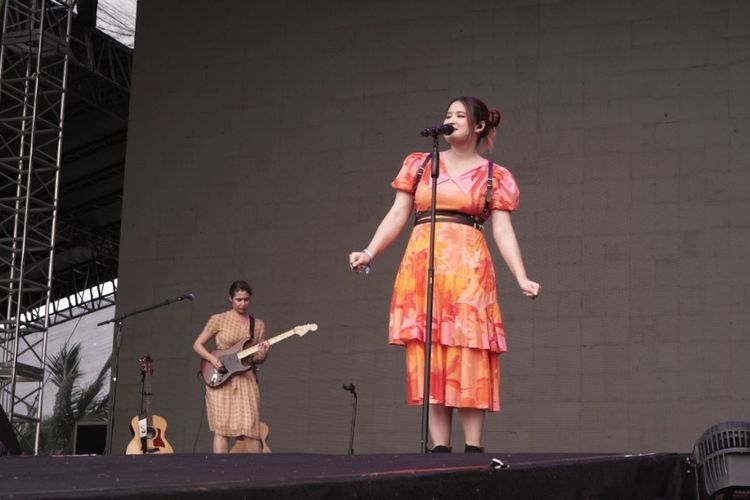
<point x="467" y="326"/>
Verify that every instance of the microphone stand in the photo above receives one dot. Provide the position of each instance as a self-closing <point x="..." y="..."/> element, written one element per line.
<point x="352" y="389"/>
<point x="430" y="286"/>
<point x="114" y="357"/>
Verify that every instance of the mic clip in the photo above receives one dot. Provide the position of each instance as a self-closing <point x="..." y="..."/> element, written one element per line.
<point x="445" y="129"/>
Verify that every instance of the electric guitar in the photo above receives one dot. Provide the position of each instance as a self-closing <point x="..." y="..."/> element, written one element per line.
<point x="236" y="358"/>
<point x="147" y="429"/>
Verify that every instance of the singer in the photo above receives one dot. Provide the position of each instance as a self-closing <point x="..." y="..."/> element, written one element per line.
<point x="234" y="407"/>
<point x="467" y="328"/>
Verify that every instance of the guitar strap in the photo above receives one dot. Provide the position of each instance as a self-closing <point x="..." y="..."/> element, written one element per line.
<point x="254" y="369"/>
<point x="252" y="327"/>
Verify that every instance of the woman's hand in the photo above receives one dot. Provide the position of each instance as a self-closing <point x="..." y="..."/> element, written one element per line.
<point x="358" y="261"/>
<point x="263" y="348"/>
<point x="529" y="288"/>
<point x="216" y="362"/>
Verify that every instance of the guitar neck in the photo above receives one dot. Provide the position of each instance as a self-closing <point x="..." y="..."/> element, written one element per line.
<point x="278" y="338"/>
<point x="147" y="398"/>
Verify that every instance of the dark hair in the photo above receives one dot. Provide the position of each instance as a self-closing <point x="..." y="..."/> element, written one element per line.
<point x="238" y="286"/>
<point x="478" y="113"/>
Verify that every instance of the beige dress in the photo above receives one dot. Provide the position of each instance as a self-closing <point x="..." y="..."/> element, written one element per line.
<point x="234" y="407"/>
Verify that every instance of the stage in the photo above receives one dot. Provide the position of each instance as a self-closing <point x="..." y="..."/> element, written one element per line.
<point x="285" y="475"/>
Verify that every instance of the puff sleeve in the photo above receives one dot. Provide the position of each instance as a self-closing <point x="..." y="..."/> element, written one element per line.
<point x="505" y="193"/>
<point x="404" y="181"/>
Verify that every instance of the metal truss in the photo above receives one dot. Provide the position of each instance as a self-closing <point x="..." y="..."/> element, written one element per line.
<point x="106" y="68"/>
<point x="87" y="285"/>
<point x="34" y="57"/>
<point x="101" y="80"/>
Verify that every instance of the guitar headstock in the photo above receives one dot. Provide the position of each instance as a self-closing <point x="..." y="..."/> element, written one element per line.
<point x="147" y="365"/>
<point x="303" y="329"/>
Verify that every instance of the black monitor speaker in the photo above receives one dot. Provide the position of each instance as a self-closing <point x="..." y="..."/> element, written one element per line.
<point x="90" y="437"/>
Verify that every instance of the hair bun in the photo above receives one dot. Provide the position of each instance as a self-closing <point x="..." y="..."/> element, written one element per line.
<point x="495" y="116"/>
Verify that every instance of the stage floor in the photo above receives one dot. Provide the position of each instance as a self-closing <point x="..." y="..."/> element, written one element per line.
<point x="302" y="476"/>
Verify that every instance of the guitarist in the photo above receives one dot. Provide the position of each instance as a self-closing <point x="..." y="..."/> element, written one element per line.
<point x="234" y="407"/>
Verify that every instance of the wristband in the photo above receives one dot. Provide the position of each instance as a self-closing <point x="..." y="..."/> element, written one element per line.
<point x="368" y="267"/>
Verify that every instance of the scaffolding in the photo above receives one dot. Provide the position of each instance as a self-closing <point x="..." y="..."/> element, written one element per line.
<point x="33" y="72"/>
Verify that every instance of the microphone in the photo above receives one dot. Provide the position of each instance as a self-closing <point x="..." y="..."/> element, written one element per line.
<point x="445" y="129"/>
<point x="187" y="296"/>
<point x="349" y="387"/>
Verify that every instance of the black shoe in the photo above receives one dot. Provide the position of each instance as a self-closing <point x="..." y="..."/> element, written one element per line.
<point x="441" y="449"/>
<point x="473" y="449"/>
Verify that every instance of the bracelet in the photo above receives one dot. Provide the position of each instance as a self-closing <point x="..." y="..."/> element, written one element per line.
<point x="368" y="253"/>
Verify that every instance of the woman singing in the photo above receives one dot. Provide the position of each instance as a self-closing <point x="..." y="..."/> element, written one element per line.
<point x="467" y="327"/>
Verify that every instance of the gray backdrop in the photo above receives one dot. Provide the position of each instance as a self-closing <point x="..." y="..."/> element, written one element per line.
<point x="263" y="139"/>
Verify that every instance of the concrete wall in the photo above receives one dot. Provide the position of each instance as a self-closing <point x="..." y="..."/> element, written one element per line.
<point x="263" y="139"/>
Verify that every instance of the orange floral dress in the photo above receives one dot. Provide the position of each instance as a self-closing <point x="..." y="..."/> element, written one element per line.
<point x="467" y="327"/>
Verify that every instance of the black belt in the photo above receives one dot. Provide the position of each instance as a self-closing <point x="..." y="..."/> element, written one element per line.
<point x="448" y="216"/>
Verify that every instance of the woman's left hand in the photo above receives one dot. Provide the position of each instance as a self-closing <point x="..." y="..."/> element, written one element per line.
<point x="263" y="348"/>
<point x="529" y="288"/>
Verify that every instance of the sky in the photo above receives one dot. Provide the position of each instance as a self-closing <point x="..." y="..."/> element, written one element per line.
<point x="117" y="19"/>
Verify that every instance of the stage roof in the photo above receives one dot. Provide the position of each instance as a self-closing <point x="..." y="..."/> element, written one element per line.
<point x="93" y="150"/>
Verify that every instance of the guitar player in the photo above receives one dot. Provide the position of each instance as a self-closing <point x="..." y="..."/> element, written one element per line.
<point x="233" y="408"/>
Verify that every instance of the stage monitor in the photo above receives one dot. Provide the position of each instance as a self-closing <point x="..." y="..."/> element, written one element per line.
<point x="90" y="437"/>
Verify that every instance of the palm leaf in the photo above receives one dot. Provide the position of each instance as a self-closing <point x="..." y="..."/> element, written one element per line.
<point x="64" y="368"/>
<point x="72" y="403"/>
<point x="87" y="402"/>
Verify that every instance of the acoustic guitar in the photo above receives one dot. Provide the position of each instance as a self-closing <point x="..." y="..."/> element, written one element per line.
<point x="236" y="359"/>
<point x="239" y="445"/>
<point x="147" y="429"/>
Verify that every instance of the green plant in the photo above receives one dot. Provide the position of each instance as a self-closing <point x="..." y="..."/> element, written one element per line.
<point x="72" y="402"/>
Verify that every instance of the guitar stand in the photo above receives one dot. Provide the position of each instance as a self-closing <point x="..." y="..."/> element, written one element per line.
<point x="353" y="390"/>
<point x="144" y="436"/>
